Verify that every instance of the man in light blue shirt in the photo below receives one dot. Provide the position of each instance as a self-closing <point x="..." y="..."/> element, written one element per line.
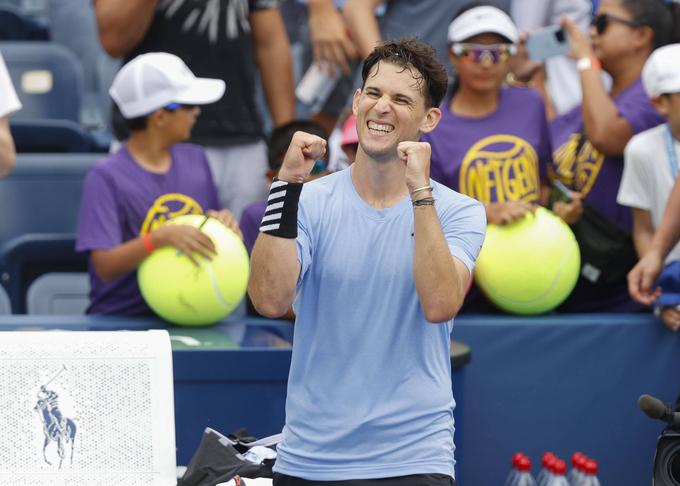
<point x="377" y="259"/>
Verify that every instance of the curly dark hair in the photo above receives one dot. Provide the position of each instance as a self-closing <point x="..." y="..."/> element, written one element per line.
<point x="416" y="56"/>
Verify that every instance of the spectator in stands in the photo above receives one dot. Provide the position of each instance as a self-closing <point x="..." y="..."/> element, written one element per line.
<point x="224" y="39"/>
<point x="480" y="148"/>
<point x="426" y="19"/>
<point x="153" y="177"/>
<point x="279" y="140"/>
<point x="9" y="103"/>
<point x="558" y="73"/>
<point x="642" y="277"/>
<point x="493" y="141"/>
<point x="651" y="162"/>
<point x="322" y="37"/>
<point x="589" y="141"/>
<point x="349" y="143"/>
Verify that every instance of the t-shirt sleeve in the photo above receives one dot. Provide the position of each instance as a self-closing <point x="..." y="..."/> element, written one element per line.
<point x="256" y="5"/>
<point x="638" y="111"/>
<point x="634" y="190"/>
<point x="464" y="227"/>
<point x="99" y="225"/>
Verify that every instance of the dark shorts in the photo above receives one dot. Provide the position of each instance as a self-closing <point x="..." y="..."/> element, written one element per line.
<point x="414" y="480"/>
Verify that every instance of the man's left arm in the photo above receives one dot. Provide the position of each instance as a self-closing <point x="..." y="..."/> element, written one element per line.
<point x="441" y="278"/>
<point x="272" y="54"/>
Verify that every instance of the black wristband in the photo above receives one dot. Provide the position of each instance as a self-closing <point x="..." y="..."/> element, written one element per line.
<point x="280" y="217"/>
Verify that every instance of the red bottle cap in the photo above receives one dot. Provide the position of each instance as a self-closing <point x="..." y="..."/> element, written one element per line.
<point x="581" y="462"/>
<point x="547" y="456"/>
<point x="591" y="466"/>
<point x="524" y="464"/>
<point x="516" y="457"/>
<point x="560" y="467"/>
<point x="576" y="457"/>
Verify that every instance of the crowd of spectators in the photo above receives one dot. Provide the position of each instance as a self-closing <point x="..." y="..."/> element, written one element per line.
<point x="511" y="126"/>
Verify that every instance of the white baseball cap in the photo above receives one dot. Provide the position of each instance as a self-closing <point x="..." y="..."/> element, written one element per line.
<point x="661" y="73"/>
<point x="482" y="20"/>
<point x="153" y="80"/>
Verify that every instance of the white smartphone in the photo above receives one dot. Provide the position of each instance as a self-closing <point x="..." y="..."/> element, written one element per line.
<point x="548" y="42"/>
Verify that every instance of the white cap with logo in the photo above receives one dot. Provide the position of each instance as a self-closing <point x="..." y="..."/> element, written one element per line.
<point x="153" y="80"/>
<point x="482" y="20"/>
<point x="661" y="73"/>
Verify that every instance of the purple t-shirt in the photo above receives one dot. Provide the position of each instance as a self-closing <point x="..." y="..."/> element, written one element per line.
<point x="596" y="175"/>
<point x="250" y="223"/>
<point x="496" y="158"/>
<point x="121" y="200"/>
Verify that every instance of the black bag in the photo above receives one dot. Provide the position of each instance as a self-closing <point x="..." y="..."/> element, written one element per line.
<point x="607" y="249"/>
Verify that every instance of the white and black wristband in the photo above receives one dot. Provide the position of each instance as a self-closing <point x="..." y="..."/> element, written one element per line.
<point x="280" y="217"/>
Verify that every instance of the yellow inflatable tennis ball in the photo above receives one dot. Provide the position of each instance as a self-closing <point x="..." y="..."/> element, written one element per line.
<point x="184" y="294"/>
<point x="529" y="266"/>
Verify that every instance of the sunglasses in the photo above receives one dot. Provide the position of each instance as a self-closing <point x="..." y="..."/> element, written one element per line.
<point x="176" y="106"/>
<point x="602" y="21"/>
<point x="496" y="53"/>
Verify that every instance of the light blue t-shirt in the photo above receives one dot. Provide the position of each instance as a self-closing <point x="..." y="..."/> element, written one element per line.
<point x="369" y="391"/>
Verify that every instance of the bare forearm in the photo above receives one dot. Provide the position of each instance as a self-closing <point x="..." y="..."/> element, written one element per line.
<point x="272" y="54"/>
<point x="602" y="125"/>
<point x="363" y="24"/>
<point x="274" y="270"/>
<point x="8" y="153"/>
<point x="118" y="261"/>
<point x="439" y="286"/>
<point x="123" y="24"/>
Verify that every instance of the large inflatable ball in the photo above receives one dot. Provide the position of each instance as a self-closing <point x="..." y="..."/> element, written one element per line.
<point x="185" y="294"/>
<point x="529" y="266"/>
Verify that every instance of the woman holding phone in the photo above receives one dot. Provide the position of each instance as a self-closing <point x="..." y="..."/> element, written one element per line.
<point x="589" y="142"/>
<point x="492" y="142"/>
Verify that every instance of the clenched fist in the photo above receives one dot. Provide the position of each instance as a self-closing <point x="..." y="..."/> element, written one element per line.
<point x="303" y="152"/>
<point x="416" y="156"/>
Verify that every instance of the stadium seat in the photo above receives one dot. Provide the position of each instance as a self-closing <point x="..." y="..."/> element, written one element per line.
<point x="48" y="79"/>
<point x="42" y="194"/>
<point x="51" y="136"/>
<point x="25" y="258"/>
<point x="16" y="26"/>
<point x="5" y="306"/>
<point x="59" y="293"/>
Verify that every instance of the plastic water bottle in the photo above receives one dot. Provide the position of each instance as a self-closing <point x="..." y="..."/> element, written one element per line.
<point x="546" y="461"/>
<point x="524" y="478"/>
<point x="514" y="472"/>
<point x="590" y="477"/>
<point x="316" y="86"/>
<point x="559" y="471"/>
<point x="578" y="461"/>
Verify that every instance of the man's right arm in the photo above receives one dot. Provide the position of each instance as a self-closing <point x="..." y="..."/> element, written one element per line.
<point x="274" y="264"/>
<point x="122" y="24"/>
<point x="274" y="271"/>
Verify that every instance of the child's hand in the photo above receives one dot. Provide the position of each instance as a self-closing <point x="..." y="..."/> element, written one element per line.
<point x="227" y="219"/>
<point x="507" y="212"/>
<point x="670" y="316"/>
<point x="186" y="239"/>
